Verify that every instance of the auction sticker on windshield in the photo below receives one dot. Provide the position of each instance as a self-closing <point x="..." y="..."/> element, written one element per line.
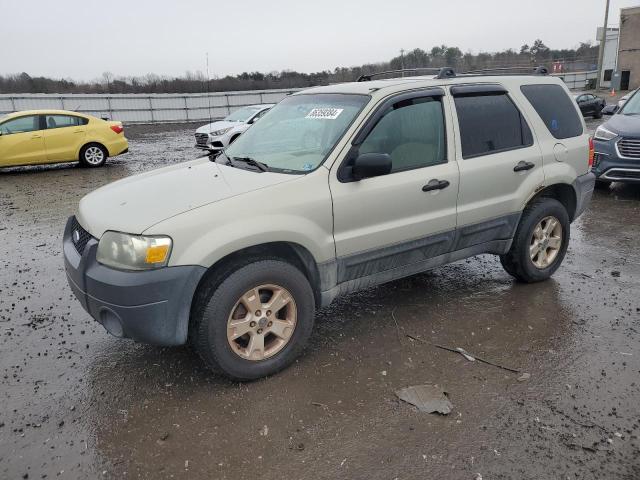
<point x="325" y="113"/>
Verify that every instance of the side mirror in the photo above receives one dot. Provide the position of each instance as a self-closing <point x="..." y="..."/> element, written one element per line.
<point x="369" y="165"/>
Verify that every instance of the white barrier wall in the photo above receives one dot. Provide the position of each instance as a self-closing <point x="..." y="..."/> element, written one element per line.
<point x="188" y="107"/>
<point x="144" y="108"/>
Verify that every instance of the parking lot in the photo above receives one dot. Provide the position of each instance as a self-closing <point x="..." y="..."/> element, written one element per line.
<point x="78" y="403"/>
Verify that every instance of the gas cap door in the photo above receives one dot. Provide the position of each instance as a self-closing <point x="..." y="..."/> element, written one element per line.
<point x="560" y="152"/>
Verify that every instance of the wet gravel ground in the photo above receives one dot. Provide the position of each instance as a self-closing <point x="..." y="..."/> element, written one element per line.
<point x="78" y="403"/>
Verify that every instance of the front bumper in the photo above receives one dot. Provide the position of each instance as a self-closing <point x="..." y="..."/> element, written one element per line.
<point x="149" y="306"/>
<point x="583" y="186"/>
<point x="611" y="166"/>
<point x="211" y="143"/>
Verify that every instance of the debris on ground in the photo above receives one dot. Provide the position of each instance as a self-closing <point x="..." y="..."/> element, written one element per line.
<point x="428" y="398"/>
<point x="524" y="377"/>
<point x="466" y="354"/>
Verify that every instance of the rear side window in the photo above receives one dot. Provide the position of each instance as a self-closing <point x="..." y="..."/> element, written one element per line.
<point x="555" y="108"/>
<point x="490" y="124"/>
<point x="63" y="121"/>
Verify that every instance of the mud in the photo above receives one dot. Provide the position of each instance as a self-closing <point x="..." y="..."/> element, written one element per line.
<point x="77" y="403"/>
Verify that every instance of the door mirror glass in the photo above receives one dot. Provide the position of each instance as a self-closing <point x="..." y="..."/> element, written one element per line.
<point x="369" y="165"/>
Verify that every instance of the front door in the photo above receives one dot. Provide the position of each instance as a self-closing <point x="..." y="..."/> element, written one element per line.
<point x="397" y="220"/>
<point x="63" y="137"/>
<point x="500" y="164"/>
<point x="21" y="141"/>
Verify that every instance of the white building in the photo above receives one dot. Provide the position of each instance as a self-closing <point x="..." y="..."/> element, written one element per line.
<point x="610" y="59"/>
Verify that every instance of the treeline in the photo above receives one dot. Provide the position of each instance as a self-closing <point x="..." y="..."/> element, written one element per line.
<point x="583" y="57"/>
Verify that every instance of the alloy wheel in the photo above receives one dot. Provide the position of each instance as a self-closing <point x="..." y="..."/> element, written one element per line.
<point x="262" y="322"/>
<point x="94" y="155"/>
<point x="546" y="242"/>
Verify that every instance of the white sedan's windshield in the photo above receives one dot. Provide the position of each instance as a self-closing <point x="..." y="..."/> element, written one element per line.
<point x="298" y="133"/>
<point x="243" y="114"/>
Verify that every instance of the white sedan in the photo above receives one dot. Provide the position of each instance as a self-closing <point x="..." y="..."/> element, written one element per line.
<point x="219" y="135"/>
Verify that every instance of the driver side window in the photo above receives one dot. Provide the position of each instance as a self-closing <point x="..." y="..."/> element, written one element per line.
<point x="412" y="133"/>
<point x="29" y="123"/>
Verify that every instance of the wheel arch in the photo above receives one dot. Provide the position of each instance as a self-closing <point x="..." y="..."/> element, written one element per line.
<point x="290" y="252"/>
<point x="89" y="143"/>
<point x="564" y="193"/>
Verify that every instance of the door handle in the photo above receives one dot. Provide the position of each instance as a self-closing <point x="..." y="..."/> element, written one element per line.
<point x="36" y="136"/>
<point x="78" y="131"/>
<point x="522" y="165"/>
<point x="435" y="184"/>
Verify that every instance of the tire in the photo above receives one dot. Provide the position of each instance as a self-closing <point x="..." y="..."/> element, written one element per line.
<point x="93" y="155"/>
<point x="603" y="184"/>
<point x="219" y="302"/>
<point x="518" y="261"/>
<point x="598" y="114"/>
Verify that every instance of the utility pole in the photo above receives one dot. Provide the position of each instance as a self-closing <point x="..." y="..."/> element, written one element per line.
<point x="603" y="41"/>
<point x="402" y="60"/>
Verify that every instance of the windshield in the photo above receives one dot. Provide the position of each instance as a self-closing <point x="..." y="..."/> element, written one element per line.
<point x="632" y="106"/>
<point x="297" y="134"/>
<point x="243" y="114"/>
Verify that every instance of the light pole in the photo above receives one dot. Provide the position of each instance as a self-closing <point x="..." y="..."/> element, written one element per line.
<point x="602" y="45"/>
<point x="402" y="60"/>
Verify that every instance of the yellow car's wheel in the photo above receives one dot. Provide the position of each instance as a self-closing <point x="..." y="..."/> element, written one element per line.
<point x="93" y="155"/>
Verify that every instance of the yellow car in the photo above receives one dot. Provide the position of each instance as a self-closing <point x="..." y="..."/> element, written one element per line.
<point x="50" y="136"/>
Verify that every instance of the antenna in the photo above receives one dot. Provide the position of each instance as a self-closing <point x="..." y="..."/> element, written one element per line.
<point x="208" y="95"/>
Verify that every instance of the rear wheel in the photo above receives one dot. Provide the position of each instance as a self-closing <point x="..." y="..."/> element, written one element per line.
<point x="540" y="243"/>
<point x="256" y="322"/>
<point x="93" y="155"/>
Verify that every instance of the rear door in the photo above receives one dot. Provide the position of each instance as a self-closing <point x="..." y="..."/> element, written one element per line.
<point x="500" y="164"/>
<point x="21" y="141"/>
<point x="63" y="136"/>
<point x="394" y="222"/>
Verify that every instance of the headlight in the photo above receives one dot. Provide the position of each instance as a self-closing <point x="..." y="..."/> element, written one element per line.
<point x="133" y="252"/>
<point x="604" y="134"/>
<point x="217" y="133"/>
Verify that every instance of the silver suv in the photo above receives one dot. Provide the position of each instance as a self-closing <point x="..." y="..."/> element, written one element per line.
<point x="336" y="189"/>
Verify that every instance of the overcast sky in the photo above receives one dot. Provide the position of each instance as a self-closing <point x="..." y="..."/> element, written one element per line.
<point x="80" y="39"/>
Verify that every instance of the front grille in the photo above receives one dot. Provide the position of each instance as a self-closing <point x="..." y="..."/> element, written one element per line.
<point x="626" y="173"/>
<point x="79" y="236"/>
<point x="202" y="138"/>
<point x="629" y="147"/>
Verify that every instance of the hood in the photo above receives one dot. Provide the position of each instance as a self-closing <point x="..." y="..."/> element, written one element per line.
<point x="624" y="125"/>
<point x="212" y="127"/>
<point x="134" y="204"/>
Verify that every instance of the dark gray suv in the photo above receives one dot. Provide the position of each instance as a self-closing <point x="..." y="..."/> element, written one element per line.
<point x="617" y="146"/>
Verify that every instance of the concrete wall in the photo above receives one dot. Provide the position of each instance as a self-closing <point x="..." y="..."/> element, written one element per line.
<point x="629" y="46"/>
<point x="139" y="108"/>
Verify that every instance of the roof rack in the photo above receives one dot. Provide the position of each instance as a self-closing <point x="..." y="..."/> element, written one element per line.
<point x="448" y="72"/>
<point x="539" y="70"/>
<point x="441" y="72"/>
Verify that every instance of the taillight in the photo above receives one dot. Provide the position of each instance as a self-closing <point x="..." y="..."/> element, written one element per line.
<point x="591" y="152"/>
<point x="117" y="128"/>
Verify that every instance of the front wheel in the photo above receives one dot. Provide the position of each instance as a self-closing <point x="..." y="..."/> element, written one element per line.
<point x="93" y="155"/>
<point x="256" y="322"/>
<point x="540" y="242"/>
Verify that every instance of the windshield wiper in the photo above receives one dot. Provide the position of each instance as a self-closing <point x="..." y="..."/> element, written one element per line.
<point x="263" y="167"/>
